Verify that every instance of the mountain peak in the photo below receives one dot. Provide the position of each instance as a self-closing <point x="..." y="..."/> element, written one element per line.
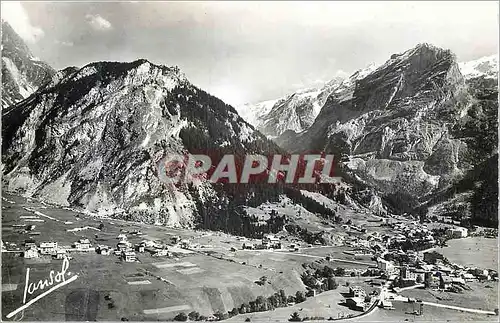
<point x="22" y="73"/>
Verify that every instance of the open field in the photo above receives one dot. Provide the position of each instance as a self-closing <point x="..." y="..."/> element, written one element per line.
<point x="324" y="305"/>
<point x="480" y="297"/>
<point x="207" y="278"/>
<point x="402" y="310"/>
<point x="473" y="252"/>
<point x="109" y="289"/>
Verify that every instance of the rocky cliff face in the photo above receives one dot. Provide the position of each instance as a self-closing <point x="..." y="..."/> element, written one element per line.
<point x="92" y="137"/>
<point x="474" y="198"/>
<point x="22" y="73"/>
<point x="395" y="124"/>
<point x="295" y="112"/>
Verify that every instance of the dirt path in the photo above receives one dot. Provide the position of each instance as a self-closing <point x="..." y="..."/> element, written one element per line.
<point x="464" y="309"/>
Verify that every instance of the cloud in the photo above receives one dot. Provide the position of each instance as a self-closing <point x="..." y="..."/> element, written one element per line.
<point x="17" y="17"/>
<point x="97" y="22"/>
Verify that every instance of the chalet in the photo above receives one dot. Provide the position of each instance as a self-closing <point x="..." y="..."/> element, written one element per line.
<point x="103" y="250"/>
<point x="128" y="256"/>
<point x="28" y="243"/>
<point x="250" y="246"/>
<point x="48" y="248"/>
<point x="458" y="232"/>
<point x="448" y="281"/>
<point x="82" y="245"/>
<point x="356" y="291"/>
<point x="271" y="241"/>
<point x="60" y="254"/>
<point x="384" y="265"/>
<point x="31" y="252"/>
<point x="407" y="272"/>
<point x="123" y="245"/>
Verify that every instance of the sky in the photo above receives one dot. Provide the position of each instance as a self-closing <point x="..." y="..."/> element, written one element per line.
<point x="247" y="52"/>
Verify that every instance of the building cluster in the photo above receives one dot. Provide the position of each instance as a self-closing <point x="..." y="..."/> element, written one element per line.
<point x="356" y="299"/>
<point x="269" y="241"/>
<point x="432" y="273"/>
<point x="414" y="232"/>
<point x="124" y="249"/>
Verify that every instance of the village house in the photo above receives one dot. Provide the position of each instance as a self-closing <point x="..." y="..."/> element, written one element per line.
<point x="447" y="282"/>
<point x="407" y="277"/>
<point x="386" y="266"/>
<point x="48" y="248"/>
<point x="271" y="241"/>
<point x="122" y="236"/>
<point x="356" y="291"/>
<point x="103" y="250"/>
<point x="128" y="256"/>
<point x="458" y="232"/>
<point x="31" y="252"/>
<point x="123" y="245"/>
<point x="249" y="246"/>
<point x="419" y="276"/>
<point x="60" y="254"/>
<point x="481" y="274"/>
<point x="28" y="243"/>
<point x="82" y="245"/>
<point x="431" y="280"/>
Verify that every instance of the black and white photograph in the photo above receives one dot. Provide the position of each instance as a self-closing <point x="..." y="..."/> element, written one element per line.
<point x="249" y="161"/>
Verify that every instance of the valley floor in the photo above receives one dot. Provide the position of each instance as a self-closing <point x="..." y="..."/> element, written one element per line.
<point x="212" y="275"/>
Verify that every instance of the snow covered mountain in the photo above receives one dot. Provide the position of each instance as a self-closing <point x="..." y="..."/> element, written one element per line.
<point x="483" y="67"/>
<point x="409" y="127"/>
<point x="295" y="112"/>
<point x="91" y="138"/>
<point x="22" y="73"/>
